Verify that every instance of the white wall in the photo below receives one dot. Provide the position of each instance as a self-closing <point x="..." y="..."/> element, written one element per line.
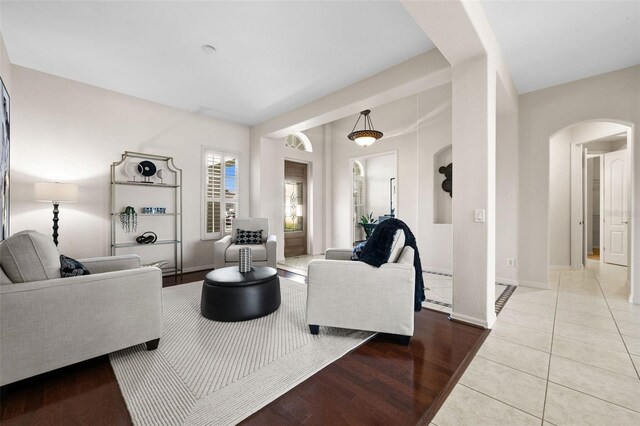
<point x="506" y="187"/>
<point x="559" y="200"/>
<point x="68" y="131"/>
<point x="434" y="134"/>
<point x="613" y="96"/>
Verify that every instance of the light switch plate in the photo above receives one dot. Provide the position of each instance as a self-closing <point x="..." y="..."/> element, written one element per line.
<point x="479" y="216"/>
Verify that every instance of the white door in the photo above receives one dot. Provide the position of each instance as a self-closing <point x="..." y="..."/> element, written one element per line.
<point x="615" y="207"/>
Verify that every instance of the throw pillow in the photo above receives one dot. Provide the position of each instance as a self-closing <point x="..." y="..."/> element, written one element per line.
<point x="29" y="256"/>
<point x="72" y="268"/>
<point x="248" y="237"/>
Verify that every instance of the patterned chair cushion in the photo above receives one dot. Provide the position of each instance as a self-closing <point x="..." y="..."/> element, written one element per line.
<point x="70" y="267"/>
<point x="248" y="237"/>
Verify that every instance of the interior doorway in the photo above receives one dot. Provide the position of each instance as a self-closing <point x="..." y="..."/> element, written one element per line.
<point x="295" y="208"/>
<point x="374" y="189"/>
<point x="605" y="167"/>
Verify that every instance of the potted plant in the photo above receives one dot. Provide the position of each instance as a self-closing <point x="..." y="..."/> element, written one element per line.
<point x="368" y="223"/>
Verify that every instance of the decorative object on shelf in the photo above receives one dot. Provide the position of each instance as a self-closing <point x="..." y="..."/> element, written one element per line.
<point x="368" y="134"/>
<point x="129" y="219"/>
<point x="4" y="161"/>
<point x="146" y="168"/>
<point x="368" y="223"/>
<point x="55" y="192"/>
<point x="154" y="210"/>
<point x="244" y="257"/>
<point x="162" y="175"/>
<point x="130" y="170"/>
<point x="144" y="190"/>
<point x="148" y="237"/>
<point x="447" y="183"/>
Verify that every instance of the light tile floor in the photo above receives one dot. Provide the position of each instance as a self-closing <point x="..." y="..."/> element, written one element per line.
<point x="298" y="264"/>
<point x="563" y="356"/>
<point x="439" y="291"/>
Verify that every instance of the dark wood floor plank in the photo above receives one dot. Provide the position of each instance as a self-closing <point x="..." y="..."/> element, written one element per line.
<point x="379" y="383"/>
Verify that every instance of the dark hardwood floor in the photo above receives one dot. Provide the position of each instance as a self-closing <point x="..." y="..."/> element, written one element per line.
<point x="380" y="382"/>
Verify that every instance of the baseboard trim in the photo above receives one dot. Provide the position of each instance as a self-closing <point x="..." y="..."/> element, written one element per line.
<point x="559" y="267"/>
<point x="535" y="284"/>
<point x="476" y="322"/>
<point x="197" y="268"/>
<point x="507" y="281"/>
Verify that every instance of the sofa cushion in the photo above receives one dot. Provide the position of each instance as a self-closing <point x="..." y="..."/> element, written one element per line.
<point x="29" y="256"/>
<point x="397" y="246"/>
<point x="70" y="267"/>
<point x="258" y="252"/>
<point x="248" y="237"/>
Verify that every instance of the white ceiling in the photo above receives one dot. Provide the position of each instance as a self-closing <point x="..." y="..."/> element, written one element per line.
<point x="546" y="43"/>
<point x="272" y="56"/>
<point x="276" y="55"/>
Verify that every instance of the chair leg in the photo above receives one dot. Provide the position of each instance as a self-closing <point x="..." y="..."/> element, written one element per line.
<point x="404" y="340"/>
<point x="314" y="329"/>
<point x="152" y="344"/>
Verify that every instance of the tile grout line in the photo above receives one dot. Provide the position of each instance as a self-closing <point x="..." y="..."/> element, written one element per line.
<point x="502" y="402"/>
<point x="510" y="367"/>
<point x="616" y="323"/>
<point x="553" y="330"/>
<point x="596" y="397"/>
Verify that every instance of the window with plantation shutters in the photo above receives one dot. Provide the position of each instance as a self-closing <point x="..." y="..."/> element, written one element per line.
<point x="221" y="193"/>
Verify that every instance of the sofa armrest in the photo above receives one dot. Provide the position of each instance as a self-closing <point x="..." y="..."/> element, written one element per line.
<point x="219" y="251"/>
<point x="98" y="265"/>
<point x="48" y="324"/>
<point x="338" y="254"/>
<point x="272" y="251"/>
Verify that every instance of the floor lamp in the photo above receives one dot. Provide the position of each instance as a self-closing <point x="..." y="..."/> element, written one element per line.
<point x="55" y="192"/>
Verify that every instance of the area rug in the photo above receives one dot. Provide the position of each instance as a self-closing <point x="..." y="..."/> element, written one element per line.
<point x="207" y="372"/>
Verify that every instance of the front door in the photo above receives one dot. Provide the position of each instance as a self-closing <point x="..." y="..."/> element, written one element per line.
<point x="295" y="209"/>
<point x="615" y="208"/>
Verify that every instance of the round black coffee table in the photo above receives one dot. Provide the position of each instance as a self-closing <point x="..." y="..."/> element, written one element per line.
<point x="231" y="295"/>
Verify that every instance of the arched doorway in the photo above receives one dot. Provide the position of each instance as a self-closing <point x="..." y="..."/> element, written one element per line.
<point x="574" y="189"/>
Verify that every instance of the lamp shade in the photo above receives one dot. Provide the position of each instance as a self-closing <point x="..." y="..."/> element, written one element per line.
<point x="55" y="192"/>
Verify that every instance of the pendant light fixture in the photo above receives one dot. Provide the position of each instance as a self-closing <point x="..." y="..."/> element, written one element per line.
<point x="368" y="134"/>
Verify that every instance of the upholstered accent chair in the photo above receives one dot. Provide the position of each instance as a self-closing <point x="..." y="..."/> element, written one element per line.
<point x="48" y="321"/>
<point x="226" y="250"/>
<point x="348" y="294"/>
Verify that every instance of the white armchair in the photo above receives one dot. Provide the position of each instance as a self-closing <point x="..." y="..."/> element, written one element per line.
<point x="48" y="322"/>
<point x="226" y="251"/>
<point x="347" y="294"/>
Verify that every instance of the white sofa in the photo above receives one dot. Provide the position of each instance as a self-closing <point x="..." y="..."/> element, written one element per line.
<point x="55" y="322"/>
<point x="347" y="294"/>
<point x="225" y="250"/>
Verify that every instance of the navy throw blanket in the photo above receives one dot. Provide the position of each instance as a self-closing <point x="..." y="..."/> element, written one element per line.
<point x="378" y="248"/>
